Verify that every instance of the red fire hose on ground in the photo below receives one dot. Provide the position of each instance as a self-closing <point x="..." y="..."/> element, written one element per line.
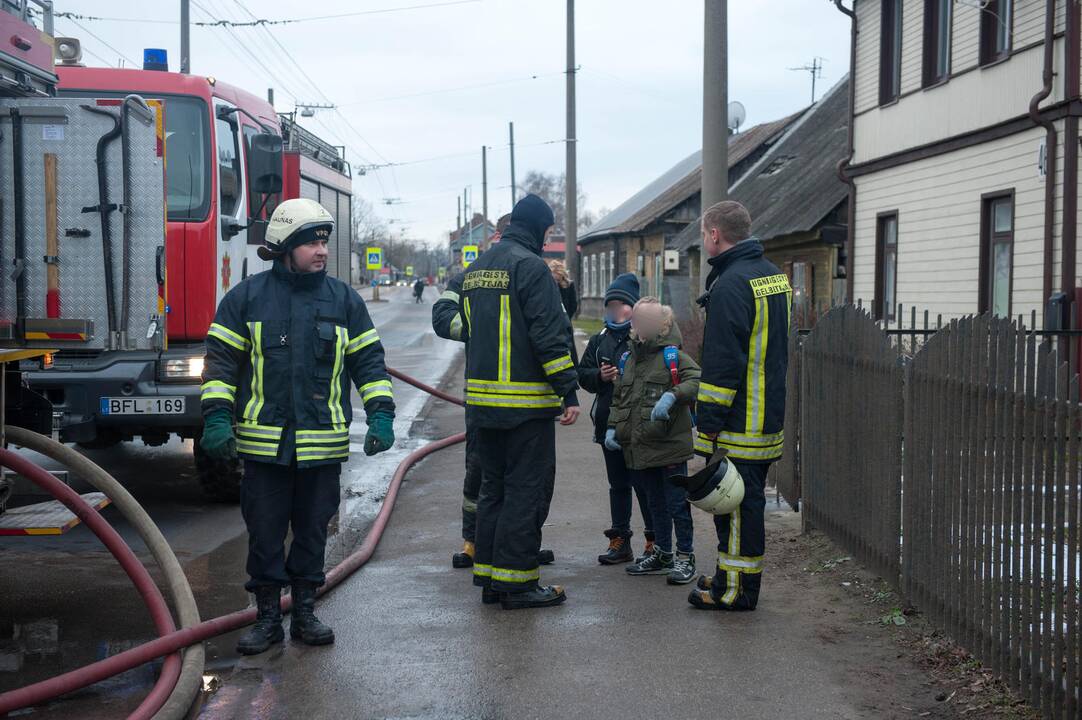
<point x="172" y="640"/>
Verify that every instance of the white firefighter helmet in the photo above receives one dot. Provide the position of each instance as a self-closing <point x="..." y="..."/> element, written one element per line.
<point x="717" y="489"/>
<point x="290" y="218"/>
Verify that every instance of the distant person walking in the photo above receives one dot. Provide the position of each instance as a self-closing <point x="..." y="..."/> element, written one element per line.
<point x="418" y="290"/>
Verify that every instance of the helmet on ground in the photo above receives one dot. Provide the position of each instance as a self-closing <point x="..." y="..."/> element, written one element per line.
<point x="295" y="222"/>
<point x="717" y="489"/>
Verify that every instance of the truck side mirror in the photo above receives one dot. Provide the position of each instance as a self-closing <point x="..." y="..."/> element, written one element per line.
<point x="265" y="163"/>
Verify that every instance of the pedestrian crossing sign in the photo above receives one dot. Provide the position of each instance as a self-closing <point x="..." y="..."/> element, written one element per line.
<point x="469" y="254"/>
<point x="375" y="258"/>
<point x="441" y="273"/>
<point x="409" y="270"/>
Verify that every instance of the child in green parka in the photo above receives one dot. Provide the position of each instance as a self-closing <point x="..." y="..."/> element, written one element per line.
<point x="651" y="422"/>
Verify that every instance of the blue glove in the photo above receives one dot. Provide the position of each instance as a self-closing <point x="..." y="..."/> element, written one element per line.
<point x="662" y="406"/>
<point x="610" y="440"/>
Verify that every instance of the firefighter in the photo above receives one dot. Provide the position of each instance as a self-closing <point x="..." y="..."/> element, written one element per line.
<point x="281" y="353"/>
<point x="519" y="377"/>
<point x="741" y="399"/>
<point x="447" y="323"/>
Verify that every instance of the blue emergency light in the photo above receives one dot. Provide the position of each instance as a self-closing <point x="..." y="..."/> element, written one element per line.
<point x="155" y="59"/>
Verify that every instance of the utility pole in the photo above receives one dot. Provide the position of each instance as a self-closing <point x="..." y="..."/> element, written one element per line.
<point x="466" y="215"/>
<point x="514" y="190"/>
<point x="571" y="222"/>
<point x="458" y="218"/>
<point x="715" y="113"/>
<point x="484" y="196"/>
<point x="185" y="37"/>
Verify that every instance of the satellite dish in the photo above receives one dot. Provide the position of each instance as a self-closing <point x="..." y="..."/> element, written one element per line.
<point x="737" y="115"/>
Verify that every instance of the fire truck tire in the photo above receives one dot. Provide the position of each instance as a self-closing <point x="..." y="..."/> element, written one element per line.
<point x="219" y="479"/>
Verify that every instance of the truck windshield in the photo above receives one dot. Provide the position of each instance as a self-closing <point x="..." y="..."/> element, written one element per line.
<point x="187" y="148"/>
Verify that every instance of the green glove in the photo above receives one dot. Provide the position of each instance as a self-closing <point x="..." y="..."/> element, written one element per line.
<point x="218" y="441"/>
<point x="380" y="435"/>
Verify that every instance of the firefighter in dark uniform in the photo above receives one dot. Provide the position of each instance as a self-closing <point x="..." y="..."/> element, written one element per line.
<point x="282" y="351"/>
<point x="741" y="400"/>
<point x="519" y="377"/>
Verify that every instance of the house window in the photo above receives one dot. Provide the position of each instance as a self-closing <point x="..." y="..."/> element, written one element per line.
<point x="997" y="253"/>
<point x="997" y="18"/>
<point x="937" y="41"/>
<point x="886" y="266"/>
<point x="890" y="51"/>
<point x="593" y="275"/>
<point x="586" y="287"/>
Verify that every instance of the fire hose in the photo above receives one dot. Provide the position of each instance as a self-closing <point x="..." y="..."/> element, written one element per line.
<point x="179" y="681"/>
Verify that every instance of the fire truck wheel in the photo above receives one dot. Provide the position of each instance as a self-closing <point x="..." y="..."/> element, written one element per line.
<point x="219" y="479"/>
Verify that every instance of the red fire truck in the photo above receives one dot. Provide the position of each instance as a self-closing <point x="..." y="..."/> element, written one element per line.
<point x="216" y="146"/>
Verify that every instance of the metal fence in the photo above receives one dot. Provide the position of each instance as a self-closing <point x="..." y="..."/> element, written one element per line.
<point x="954" y="472"/>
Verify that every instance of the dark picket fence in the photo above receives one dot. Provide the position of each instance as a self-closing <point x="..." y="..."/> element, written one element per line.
<point x="950" y="465"/>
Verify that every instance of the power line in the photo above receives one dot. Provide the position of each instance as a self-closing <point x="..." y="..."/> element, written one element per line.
<point x="85" y="29"/>
<point x="470" y="153"/>
<point x="262" y="22"/>
<point x="460" y="88"/>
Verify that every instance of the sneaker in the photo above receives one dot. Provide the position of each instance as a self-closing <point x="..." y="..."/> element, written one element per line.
<point x="646" y="551"/>
<point x="657" y="563"/>
<point x="683" y="569"/>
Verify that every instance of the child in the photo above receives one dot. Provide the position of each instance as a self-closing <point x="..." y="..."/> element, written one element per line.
<point x="597" y="374"/>
<point x="651" y="422"/>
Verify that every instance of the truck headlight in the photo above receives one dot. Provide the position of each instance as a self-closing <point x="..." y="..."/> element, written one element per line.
<point x="183" y="369"/>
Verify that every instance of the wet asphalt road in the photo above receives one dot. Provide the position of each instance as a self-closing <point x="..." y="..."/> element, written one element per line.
<point x="414" y="640"/>
<point x="64" y="601"/>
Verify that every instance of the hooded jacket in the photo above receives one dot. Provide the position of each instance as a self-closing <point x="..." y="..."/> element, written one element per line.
<point x="610" y="344"/>
<point x="645" y="378"/>
<point x="518" y="357"/>
<point x="745" y="356"/>
<point x="281" y="353"/>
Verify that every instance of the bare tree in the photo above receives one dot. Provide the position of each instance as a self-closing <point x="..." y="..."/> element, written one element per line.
<point x="552" y="189"/>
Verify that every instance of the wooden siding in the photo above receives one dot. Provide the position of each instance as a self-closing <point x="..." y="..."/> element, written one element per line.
<point x="975" y="100"/>
<point x="939" y="208"/>
<point x="867" y="71"/>
<point x="912" y="44"/>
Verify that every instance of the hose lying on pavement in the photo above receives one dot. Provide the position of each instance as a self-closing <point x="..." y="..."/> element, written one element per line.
<point x="187" y="636"/>
<point x="144" y="584"/>
<point x="176" y="583"/>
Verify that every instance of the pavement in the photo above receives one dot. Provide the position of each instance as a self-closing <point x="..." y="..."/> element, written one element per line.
<point x="64" y="601"/>
<point x="414" y="640"/>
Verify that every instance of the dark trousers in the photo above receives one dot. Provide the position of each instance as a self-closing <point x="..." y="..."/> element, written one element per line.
<point x="277" y="498"/>
<point x="516" y="489"/>
<point x="741" y="543"/>
<point x="620" y="488"/>
<point x="471" y="485"/>
<point x="668" y="507"/>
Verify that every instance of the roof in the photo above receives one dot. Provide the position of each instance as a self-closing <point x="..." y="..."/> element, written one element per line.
<point x="679" y="183"/>
<point x="794" y="186"/>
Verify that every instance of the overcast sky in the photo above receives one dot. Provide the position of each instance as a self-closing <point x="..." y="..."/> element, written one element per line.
<point x="406" y="83"/>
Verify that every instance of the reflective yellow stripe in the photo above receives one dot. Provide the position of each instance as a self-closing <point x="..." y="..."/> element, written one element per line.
<point x="249" y="447"/>
<point x="514" y="388"/>
<point x="456" y="328"/>
<point x="466" y="306"/>
<point x="715" y="394"/>
<point x="742" y="453"/>
<point x="378" y="388"/>
<point x="733" y="576"/>
<point x="704" y="445"/>
<point x="257" y="429"/>
<point x="227" y="336"/>
<point x="322" y="453"/>
<point x="740" y="563"/>
<point x="509" y="400"/>
<point x="217" y="390"/>
<point x="505" y="339"/>
<point x="334" y="397"/>
<point x="307" y="434"/>
<point x="561" y="363"/>
<point x="255" y="402"/>
<point x="362" y="341"/>
<point x="484" y="571"/>
<point x="449" y="295"/>
<point x="515" y="576"/>
<point x="756" y="380"/>
<point x="751" y="440"/>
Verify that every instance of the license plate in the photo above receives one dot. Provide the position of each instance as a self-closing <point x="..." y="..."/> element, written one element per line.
<point x="142" y="406"/>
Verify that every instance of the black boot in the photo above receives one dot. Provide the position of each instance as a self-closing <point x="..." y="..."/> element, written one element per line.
<point x="545" y="557"/>
<point x="464" y="559"/>
<point x="304" y="625"/>
<point x="268" y="624"/>
<point x="619" y="548"/>
<point x="542" y="596"/>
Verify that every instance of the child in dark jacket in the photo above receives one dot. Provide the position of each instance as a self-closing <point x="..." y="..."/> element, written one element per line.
<point x="650" y="420"/>
<point x="597" y="374"/>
